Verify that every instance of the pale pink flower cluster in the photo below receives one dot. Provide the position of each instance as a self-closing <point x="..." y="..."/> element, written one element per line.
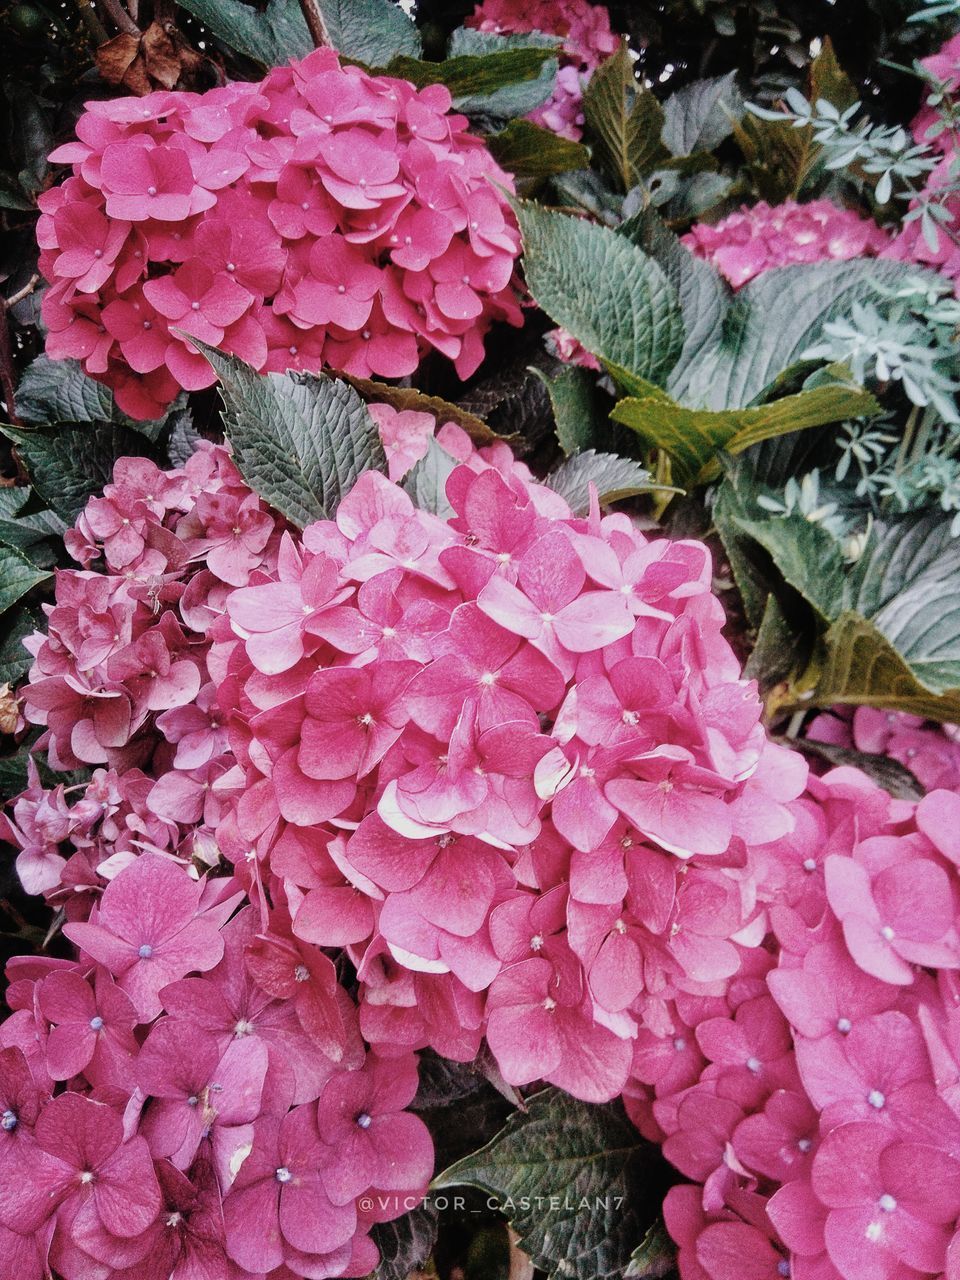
<point x="321" y="216"/>
<point x="815" y="1100"/>
<point x="587" y="40"/>
<point x="755" y="239"/>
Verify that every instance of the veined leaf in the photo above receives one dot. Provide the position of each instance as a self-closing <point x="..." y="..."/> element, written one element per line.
<point x="426" y="481"/>
<point x="18" y="575"/>
<point x="693" y="437"/>
<point x="614" y="478"/>
<point x="269" y="36"/>
<point x="514" y="97"/>
<point x="401" y="398"/>
<point x="590" y="1160"/>
<point x="405" y="1242"/>
<point x="370" y="31"/>
<point x="528" y="151"/>
<point x="577" y="412"/>
<point x="809" y="557"/>
<point x="609" y="294"/>
<point x="623" y="120"/>
<point x="700" y="115"/>
<point x="472" y="76"/>
<point x="301" y="441"/>
<point x="53" y="392"/>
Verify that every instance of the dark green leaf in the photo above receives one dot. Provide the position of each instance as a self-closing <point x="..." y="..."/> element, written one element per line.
<point x="69" y="465"/>
<point x="609" y="294"/>
<point x="401" y="398"/>
<point x="14" y="659"/>
<point x="183" y="439"/>
<point x="470" y="77"/>
<point x="301" y="441"/>
<point x="526" y="150"/>
<point x="884" y="770"/>
<point x="772" y="321"/>
<point x="18" y="575"/>
<point x="809" y="557"/>
<point x="781" y="650"/>
<point x="12" y="194"/>
<point x="700" y="115"/>
<point x="595" y="1164"/>
<point x="614" y="478"/>
<point x="370" y="31"/>
<point x="655" y="1256"/>
<point x="693" y="437"/>
<point x="53" y="391"/>
<point x="703" y="293"/>
<point x="623" y="121"/>
<point x="579" y="415"/>
<point x="404" y="1243"/>
<point x="516" y="97"/>
<point x="269" y="36"/>
<point x="426" y="482"/>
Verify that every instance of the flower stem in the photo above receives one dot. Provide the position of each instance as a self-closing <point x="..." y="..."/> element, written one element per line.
<point x="313" y="16"/>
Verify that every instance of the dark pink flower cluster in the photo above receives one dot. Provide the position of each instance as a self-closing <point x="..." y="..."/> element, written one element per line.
<point x="930" y="751"/>
<point x="587" y="40"/>
<point x="753" y="240"/>
<point x="814" y="1101"/>
<point x="191" y="1098"/>
<point x="912" y="243"/>
<point x="322" y="216"/>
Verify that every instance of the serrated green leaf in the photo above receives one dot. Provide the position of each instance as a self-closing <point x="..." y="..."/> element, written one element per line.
<point x="703" y="293"/>
<point x="578" y="412"/>
<point x="513" y="99"/>
<point x="373" y="32"/>
<point x="18" y="575"/>
<point x="404" y="1243"/>
<point x="526" y="150"/>
<point x="700" y="116"/>
<point x="269" y="36"/>
<point x="476" y="76"/>
<point x="426" y="482"/>
<point x="615" y="478"/>
<point x="623" y="120"/>
<point x="605" y="291"/>
<point x="809" y="557"/>
<point x="53" y="391"/>
<point x="771" y="322"/>
<point x="693" y="437"/>
<point x="654" y="1257"/>
<point x="595" y="1164"/>
<point x="301" y="441"/>
<point x="69" y="465"/>
<point x="15" y="626"/>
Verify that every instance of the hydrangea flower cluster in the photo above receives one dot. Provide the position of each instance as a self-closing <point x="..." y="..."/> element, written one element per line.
<point x="936" y="245"/>
<point x="753" y="240"/>
<point x="814" y="1100"/>
<point x="321" y="216"/>
<point x="587" y="40"/>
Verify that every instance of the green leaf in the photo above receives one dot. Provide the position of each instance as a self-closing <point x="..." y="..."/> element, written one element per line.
<point x="373" y="32"/>
<point x="301" y="441"/>
<point x="862" y="668"/>
<point x="269" y="36"/>
<point x="609" y="294"/>
<point x="809" y="557"/>
<point x="595" y="1164"/>
<point x="15" y="661"/>
<point x="52" y="391"/>
<point x="404" y="1243"/>
<point x="69" y="465"/>
<point x="693" y="437"/>
<point x="700" y="116"/>
<point x="614" y="477"/>
<point x="884" y="770"/>
<point x="772" y="321"/>
<point x="426" y="482"/>
<point x="578" y="411"/>
<point x="829" y="81"/>
<point x="528" y="151"/>
<point x="18" y="575"/>
<point x="515" y="97"/>
<point x="623" y="120"/>
<point x="703" y="293"/>
<point x="654" y="1256"/>
<point x="781" y="650"/>
<point x="470" y="77"/>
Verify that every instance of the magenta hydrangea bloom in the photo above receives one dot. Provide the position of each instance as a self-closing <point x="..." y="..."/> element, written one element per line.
<point x="745" y="244"/>
<point x="322" y="216"/>
<point x="587" y="40"/>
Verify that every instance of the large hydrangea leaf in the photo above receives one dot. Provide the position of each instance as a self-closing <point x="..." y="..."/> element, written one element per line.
<point x="574" y="1181"/>
<point x="300" y="440"/>
<point x="608" y="293"/>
